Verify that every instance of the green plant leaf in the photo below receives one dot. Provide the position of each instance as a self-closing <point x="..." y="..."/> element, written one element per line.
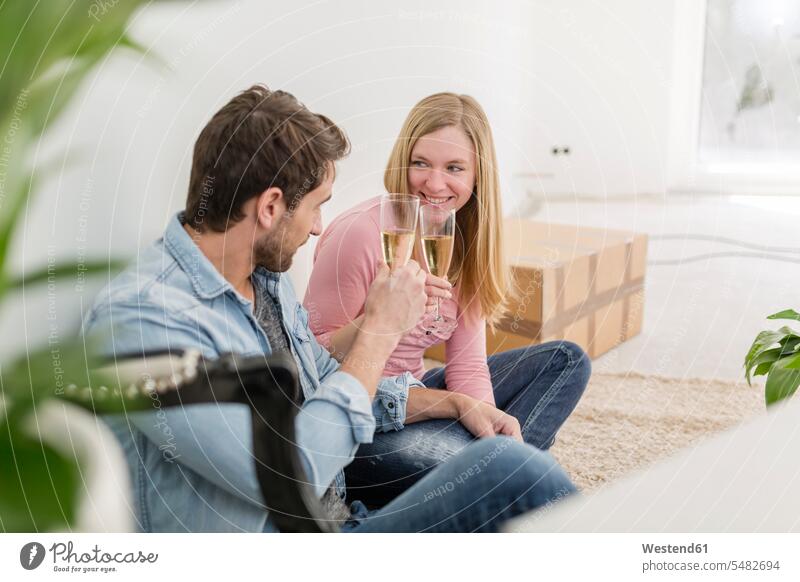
<point x="766" y="357"/>
<point x="762" y="369"/>
<point x="792" y="362"/>
<point x="49" y="49"/>
<point x="49" y="372"/>
<point x="764" y="360"/>
<point x="39" y="485"/>
<point x="763" y="342"/>
<point x="790" y="343"/>
<point x="781" y="382"/>
<point x="87" y="269"/>
<point x="153" y="57"/>
<point x="785" y="314"/>
<point x="51" y="94"/>
<point x="13" y="207"/>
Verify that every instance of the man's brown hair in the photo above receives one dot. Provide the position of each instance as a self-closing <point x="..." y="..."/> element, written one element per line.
<point x="259" y="139"/>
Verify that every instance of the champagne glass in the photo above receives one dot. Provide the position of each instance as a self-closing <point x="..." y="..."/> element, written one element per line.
<point x="398" y="228"/>
<point x="437" y="231"/>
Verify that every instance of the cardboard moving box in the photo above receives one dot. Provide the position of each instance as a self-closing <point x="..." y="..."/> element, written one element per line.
<point x="581" y="284"/>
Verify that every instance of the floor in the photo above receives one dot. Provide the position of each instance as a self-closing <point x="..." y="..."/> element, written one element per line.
<point x="717" y="266"/>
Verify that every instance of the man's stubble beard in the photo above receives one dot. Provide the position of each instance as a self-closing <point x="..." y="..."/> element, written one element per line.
<point x="271" y="252"/>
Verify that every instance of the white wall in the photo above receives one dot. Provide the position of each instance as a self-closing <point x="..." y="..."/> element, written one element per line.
<point x="586" y="74"/>
<point x="596" y="77"/>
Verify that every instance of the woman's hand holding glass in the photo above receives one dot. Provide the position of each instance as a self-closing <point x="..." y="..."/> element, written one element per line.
<point x="436" y="289"/>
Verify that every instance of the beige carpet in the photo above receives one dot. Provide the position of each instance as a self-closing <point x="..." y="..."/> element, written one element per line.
<point x="626" y="422"/>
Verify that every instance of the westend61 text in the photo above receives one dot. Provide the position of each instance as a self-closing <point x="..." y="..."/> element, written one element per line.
<point x="670" y="549"/>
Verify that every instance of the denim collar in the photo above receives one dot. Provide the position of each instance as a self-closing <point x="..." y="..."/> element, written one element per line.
<point x="207" y="282"/>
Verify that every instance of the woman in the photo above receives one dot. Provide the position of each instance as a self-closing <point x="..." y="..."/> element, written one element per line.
<point x="445" y="155"/>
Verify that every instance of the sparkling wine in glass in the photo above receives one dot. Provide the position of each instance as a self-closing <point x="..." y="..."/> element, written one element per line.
<point x="437" y="232"/>
<point x="398" y="228"/>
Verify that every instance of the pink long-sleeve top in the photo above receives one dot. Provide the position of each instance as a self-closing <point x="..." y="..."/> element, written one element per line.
<point x="346" y="262"/>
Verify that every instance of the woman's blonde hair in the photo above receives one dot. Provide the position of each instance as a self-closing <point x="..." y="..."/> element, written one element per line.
<point x="478" y="266"/>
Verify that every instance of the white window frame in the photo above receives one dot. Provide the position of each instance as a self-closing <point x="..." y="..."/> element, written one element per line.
<point x="685" y="173"/>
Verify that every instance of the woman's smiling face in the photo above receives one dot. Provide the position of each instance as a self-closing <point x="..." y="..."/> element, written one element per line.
<point x="442" y="168"/>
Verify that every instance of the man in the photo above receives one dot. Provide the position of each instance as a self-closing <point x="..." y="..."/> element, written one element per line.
<point x="262" y="168"/>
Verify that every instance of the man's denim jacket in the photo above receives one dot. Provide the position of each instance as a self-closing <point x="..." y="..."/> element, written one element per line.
<point x="192" y="467"/>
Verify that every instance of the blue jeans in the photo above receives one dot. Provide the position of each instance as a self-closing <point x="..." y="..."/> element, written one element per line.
<point x="540" y="385"/>
<point x="487" y="483"/>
